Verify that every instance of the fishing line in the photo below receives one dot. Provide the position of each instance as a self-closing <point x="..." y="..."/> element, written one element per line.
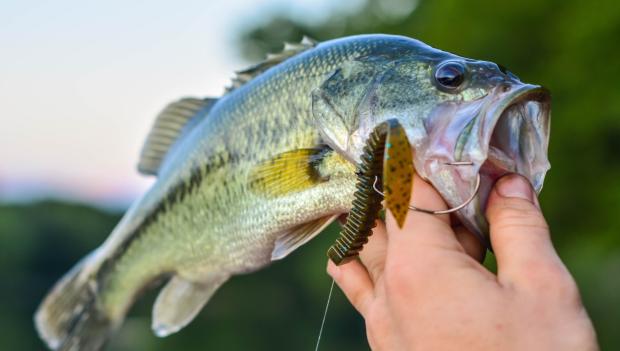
<point x="329" y="297"/>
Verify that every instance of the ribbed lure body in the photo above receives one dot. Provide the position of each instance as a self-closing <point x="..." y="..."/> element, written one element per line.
<point x="385" y="163"/>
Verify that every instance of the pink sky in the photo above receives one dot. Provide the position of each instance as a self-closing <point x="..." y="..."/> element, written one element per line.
<point x="82" y="82"/>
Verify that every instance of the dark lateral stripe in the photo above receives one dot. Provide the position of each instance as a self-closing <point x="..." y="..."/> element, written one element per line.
<point x="176" y="195"/>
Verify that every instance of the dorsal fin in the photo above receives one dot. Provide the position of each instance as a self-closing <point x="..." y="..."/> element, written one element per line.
<point x="290" y="50"/>
<point x="171" y="123"/>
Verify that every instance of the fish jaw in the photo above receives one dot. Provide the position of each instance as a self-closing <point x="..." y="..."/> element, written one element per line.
<point x="506" y="131"/>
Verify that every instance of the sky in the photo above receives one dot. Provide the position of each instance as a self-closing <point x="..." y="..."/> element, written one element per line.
<point x="81" y="82"/>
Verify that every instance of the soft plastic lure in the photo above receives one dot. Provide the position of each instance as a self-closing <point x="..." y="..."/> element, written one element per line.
<point x="387" y="157"/>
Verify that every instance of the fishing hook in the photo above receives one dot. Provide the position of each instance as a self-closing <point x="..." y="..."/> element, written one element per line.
<point x="440" y="212"/>
<point x="365" y="207"/>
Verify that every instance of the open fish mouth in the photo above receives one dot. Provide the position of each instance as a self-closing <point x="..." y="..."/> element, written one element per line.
<point x="519" y="140"/>
<point x="505" y="132"/>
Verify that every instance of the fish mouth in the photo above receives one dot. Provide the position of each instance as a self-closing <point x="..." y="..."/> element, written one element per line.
<point x="519" y="139"/>
<point x="505" y="132"/>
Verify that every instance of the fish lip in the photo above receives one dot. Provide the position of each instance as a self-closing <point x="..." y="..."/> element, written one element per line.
<point x="521" y="96"/>
<point x="456" y="183"/>
<point x="474" y="149"/>
<point x="517" y="95"/>
<point x="492" y="113"/>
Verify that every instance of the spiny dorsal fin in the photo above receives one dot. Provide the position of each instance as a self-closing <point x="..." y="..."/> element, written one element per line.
<point x="171" y="123"/>
<point x="290" y="50"/>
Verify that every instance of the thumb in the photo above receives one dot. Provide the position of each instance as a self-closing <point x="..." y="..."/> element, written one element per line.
<point x="519" y="234"/>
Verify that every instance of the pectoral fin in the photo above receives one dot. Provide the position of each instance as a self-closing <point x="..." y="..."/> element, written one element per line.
<point x="297" y="236"/>
<point x="180" y="301"/>
<point x="397" y="172"/>
<point x="288" y="172"/>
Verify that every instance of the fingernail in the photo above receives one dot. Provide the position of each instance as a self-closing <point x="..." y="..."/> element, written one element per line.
<point x="515" y="186"/>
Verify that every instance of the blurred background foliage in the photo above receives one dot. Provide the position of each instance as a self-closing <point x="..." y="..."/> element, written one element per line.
<point x="568" y="46"/>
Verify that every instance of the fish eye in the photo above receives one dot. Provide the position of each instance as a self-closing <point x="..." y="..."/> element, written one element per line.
<point x="450" y="75"/>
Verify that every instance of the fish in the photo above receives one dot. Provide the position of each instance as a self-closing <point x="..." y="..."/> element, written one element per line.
<point x="247" y="178"/>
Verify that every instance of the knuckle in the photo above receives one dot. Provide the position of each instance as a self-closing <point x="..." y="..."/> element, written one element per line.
<point x="393" y="277"/>
<point x="357" y="299"/>
<point x="567" y="291"/>
<point x="374" y="267"/>
<point x="408" y="282"/>
<point x="563" y="288"/>
<point x="398" y="279"/>
<point x="551" y="280"/>
<point x="511" y="217"/>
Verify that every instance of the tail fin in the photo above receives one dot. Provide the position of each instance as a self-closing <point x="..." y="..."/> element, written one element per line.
<point x="69" y="318"/>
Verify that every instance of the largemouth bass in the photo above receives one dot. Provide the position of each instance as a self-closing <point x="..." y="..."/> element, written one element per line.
<point x="247" y="178"/>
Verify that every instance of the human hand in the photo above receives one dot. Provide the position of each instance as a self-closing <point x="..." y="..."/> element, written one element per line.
<point x="422" y="287"/>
